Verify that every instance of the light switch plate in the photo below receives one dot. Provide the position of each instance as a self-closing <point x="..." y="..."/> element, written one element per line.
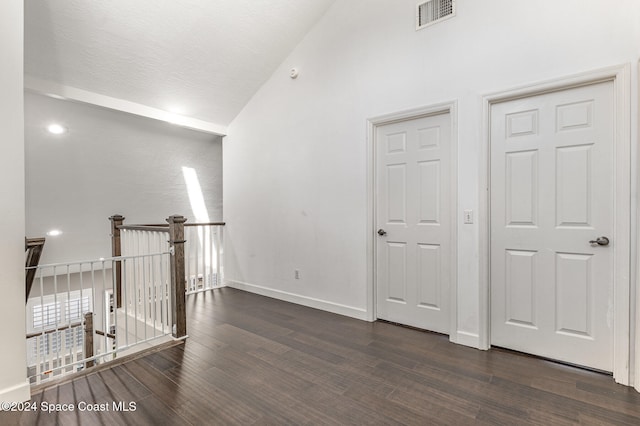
<point x="468" y="216"/>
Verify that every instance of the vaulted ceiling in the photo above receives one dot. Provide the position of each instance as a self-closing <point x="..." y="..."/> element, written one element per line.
<point x="201" y="58"/>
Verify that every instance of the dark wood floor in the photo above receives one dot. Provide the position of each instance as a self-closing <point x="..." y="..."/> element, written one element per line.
<point x="255" y="360"/>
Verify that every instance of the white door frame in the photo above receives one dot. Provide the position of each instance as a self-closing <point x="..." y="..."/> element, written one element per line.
<point x="620" y="76"/>
<point x="372" y="124"/>
<point x="636" y="260"/>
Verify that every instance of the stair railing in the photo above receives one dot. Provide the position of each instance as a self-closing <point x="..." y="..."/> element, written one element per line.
<point x="33" y="250"/>
<point x="196" y="255"/>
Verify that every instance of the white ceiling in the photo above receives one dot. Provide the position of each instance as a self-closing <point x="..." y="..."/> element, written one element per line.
<point x="202" y="58"/>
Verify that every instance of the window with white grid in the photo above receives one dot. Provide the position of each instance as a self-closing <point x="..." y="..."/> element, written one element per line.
<point x="54" y="311"/>
<point x="76" y="309"/>
<point x="46" y="316"/>
<point x="51" y="343"/>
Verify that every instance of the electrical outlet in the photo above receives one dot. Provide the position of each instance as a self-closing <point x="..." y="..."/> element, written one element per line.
<point x="296" y="274"/>
<point x="468" y="216"/>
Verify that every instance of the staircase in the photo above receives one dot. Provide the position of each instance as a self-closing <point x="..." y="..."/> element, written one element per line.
<point x="33" y="248"/>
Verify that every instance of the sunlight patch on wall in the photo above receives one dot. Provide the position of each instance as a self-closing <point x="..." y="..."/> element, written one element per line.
<point x="196" y="198"/>
<point x="201" y="215"/>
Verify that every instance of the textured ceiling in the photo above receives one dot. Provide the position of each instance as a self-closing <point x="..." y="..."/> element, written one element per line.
<point x="202" y="58"/>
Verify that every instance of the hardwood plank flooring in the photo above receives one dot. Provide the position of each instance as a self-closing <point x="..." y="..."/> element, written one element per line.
<point x="252" y="360"/>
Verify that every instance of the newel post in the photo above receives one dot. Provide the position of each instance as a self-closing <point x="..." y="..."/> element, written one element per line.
<point x="88" y="338"/>
<point x="116" y="250"/>
<point x="178" y="281"/>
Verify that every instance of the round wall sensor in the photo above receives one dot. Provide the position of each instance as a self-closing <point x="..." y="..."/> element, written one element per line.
<point x="293" y="73"/>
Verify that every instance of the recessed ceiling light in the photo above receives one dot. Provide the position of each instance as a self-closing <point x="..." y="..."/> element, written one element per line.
<point x="54" y="233"/>
<point x="56" y="129"/>
<point x="175" y="114"/>
<point x="175" y="119"/>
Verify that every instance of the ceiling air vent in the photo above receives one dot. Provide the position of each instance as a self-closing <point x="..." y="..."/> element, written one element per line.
<point x="434" y="11"/>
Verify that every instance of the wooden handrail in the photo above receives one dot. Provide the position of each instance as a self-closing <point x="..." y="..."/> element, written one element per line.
<point x="33" y="247"/>
<point x="153" y="228"/>
<point x="164" y="227"/>
<point x="53" y="330"/>
<point x="32" y="242"/>
<point x="109" y="335"/>
<point x="64" y="327"/>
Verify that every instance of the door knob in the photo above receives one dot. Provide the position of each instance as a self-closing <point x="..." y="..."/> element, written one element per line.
<point x="601" y="241"/>
<point x="382" y="232"/>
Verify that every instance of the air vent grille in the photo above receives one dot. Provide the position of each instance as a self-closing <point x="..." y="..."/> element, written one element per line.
<point x="433" y="11"/>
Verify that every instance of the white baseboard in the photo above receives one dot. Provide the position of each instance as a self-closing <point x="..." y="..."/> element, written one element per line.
<point x="17" y="393"/>
<point x="467" y="339"/>
<point x="311" y="302"/>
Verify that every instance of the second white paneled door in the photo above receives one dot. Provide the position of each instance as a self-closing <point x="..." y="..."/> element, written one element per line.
<point x="552" y="216"/>
<point x="413" y="250"/>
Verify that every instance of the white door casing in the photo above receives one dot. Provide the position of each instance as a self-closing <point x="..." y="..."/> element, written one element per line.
<point x="413" y="212"/>
<point x="565" y="260"/>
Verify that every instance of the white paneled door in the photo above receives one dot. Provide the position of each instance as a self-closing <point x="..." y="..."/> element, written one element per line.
<point x="552" y="216"/>
<point x="413" y="221"/>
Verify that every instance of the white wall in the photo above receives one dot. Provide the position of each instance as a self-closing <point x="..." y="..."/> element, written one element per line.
<point x="13" y="375"/>
<point x="109" y="163"/>
<point x="296" y="156"/>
